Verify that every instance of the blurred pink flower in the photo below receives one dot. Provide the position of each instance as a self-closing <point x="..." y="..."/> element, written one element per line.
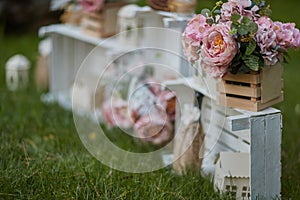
<point x="154" y="127"/>
<point x="287" y="35"/>
<point x="116" y="113"/>
<point x="266" y="39"/>
<point x="168" y="100"/>
<point x="191" y="52"/>
<point x="91" y="5"/>
<point x="193" y="36"/>
<point x="218" y="50"/>
<point x="238" y="7"/>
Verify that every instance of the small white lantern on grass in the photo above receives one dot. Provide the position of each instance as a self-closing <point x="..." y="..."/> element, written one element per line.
<point x="17" y="72"/>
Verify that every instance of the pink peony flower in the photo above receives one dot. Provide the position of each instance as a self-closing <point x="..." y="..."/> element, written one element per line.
<point x="193" y="36"/>
<point x="196" y="30"/>
<point x="287" y="35"/>
<point x="154" y="127"/>
<point x="218" y="50"/>
<point x="116" y="113"/>
<point x="266" y="39"/>
<point x="91" y="5"/>
<point x="238" y="7"/>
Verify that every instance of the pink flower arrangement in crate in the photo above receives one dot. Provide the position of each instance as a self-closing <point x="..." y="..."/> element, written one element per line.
<point x="238" y="36"/>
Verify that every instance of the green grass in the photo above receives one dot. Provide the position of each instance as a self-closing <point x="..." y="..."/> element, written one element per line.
<point x="42" y="157"/>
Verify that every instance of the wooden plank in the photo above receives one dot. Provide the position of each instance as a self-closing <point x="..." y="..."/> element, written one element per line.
<point x="234" y="142"/>
<point x="94" y="15"/>
<point x="55" y="63"/>
<point x="270" y="103"/>
<point x="271" y="82"/>
<point x="267" y="111"/>
<point x="273" y="155"/>
<point x="238" y="122"/>
<point x="257" y="158"/>
<point x="86" y="22"/>
<point x="238" y="90"/>
<point x="244" y="78"/>
<point x="237" y="102"/>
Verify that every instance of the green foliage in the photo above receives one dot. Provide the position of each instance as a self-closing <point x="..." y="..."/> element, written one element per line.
<point x="265" y="9"/>
<point x="205" y="12"/>
<point x="250" y="47"/>
<point x="243" y="29"/>
<point x="251" y="61"/>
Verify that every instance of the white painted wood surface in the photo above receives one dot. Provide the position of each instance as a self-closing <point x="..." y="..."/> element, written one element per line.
<point x="238" y="130"/>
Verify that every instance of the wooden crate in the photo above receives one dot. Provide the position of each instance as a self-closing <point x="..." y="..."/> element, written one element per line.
<point x="253" y="92"/>
<point x="71" y="17"/>
<point x="104" y="23"/>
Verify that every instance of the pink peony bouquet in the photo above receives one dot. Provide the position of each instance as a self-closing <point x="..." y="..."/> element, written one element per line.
<point x="238" y="36"/>
<point x="154" y="114"/>
<point x="150" y="111"/>
<point x="91" y="5"/>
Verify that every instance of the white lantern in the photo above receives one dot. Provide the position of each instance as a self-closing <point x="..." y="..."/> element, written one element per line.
<point x="17" y="72"/>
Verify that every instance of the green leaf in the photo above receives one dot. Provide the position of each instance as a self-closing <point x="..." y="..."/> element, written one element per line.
<point x="250" y="47"/>
<point x="233" y="31"/>
<point x="217" y="11"/>
<point x="252" y="62"/>
<point x="246" y="21"/>
<point x="205" y="12"/>
<point x="243" y="30"/>
<point x="235" y="17"/>
<point x="253" y="27"/>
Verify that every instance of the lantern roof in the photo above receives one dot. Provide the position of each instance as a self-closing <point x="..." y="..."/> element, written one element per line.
<point x="18" y="62"/>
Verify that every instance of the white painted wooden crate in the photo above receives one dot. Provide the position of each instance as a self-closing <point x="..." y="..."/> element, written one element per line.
<point x="258" y="133"/>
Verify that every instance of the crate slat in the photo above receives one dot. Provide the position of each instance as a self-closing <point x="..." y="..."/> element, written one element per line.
<point x="244" y="78"/>
<point x="238" y="89"/>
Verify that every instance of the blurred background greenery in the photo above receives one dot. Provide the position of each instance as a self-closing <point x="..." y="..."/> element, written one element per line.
<point x="42" y="156"/>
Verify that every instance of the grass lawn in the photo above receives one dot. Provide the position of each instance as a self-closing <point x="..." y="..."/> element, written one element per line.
<point x="41" y="156"/>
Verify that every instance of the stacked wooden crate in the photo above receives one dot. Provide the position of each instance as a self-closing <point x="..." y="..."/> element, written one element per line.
<point x="102" y="23"/>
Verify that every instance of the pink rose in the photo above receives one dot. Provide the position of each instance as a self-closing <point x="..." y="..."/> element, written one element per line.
<point x="287" y="35"/>
<point x="116" y="113"/>
<point x="218" y="50"/>
<point x="154" y="127"/>
<point x="91" y="5"/>
<point x="193" y="36"/>
<point x="266" y="39"/>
